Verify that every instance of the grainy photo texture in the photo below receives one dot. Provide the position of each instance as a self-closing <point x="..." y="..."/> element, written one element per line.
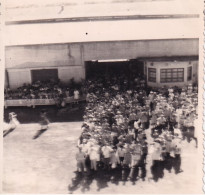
<point x="103" y="97"/>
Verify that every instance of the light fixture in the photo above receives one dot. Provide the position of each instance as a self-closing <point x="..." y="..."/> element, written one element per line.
<point x="113" y="60"/>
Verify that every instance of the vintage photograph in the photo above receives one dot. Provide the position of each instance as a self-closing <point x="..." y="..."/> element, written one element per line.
<point x="103" y="97"/>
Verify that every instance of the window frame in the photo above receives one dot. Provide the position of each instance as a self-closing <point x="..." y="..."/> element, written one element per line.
<point x="171" y="75"/>
<point x="152" y="75"/>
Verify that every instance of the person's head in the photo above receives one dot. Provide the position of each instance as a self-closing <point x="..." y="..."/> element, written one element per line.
<point x="84" y="141"/>
<point x="12" y="115"/>
<point x="134" y="142"/>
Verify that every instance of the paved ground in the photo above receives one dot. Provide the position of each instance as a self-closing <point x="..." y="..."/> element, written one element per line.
<point x="47" y="165"/>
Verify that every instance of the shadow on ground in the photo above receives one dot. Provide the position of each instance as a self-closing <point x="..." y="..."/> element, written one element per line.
<point x="70" y="113"/>
<point x="123" y="174"/>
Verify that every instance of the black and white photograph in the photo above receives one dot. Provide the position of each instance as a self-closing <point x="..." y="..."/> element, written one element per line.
<point x="102" y="97"/>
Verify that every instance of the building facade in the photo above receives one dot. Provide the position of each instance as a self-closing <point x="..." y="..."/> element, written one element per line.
<point x="57" y="39"/>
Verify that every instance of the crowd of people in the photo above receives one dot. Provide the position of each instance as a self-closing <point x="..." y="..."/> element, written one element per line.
<point x="127" y="126"/>
<point x="50" y="89"/>
<point x="133" y="128"/>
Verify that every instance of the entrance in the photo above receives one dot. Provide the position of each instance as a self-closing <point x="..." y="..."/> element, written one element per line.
<point x="44" y="75"/>
<point x="129" y="68"/>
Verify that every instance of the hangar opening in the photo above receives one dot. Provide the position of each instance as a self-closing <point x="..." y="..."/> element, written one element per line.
<point x="128" y="67"/>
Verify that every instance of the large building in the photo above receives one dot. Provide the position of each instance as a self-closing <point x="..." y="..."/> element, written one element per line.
<point x="65" y="39"/>
<point x="68" y="39"/>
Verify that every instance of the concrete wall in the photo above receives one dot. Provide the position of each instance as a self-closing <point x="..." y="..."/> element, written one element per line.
<point x="177" y="64"/>
<point x="66" y="73"/>
<point x="135" y="49"/>
<point x="43" y="56"/>
<point x="76" y="54"/>
<point x="66" y="58"/>
<point x="17" y="77"/>
<point x="69" y="58"/>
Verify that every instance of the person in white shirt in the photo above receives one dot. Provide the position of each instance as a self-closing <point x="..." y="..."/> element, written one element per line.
<point x="178" y="132"/>
<point x="76" y="94"/>
<point x="137" y="124"/>
<point x="84" y="146"/>
<point x="106" y="150"/>
<point x="94" y="156"/>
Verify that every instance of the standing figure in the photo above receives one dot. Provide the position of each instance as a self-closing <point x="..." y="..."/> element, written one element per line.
<point x="13" y="120"/>
<point x="13" y="123"/>
<point x="136" y="154"/>
<point x="156" y="168"/>
<point x="80" y="157"/>
<point x="106" y="151"/>
<point x="94" y="155"/>
<point x="44" y="124"/>
<point x="121" y="154"/>
<point x="44" y="120"/>
<point x="76" y="95"/>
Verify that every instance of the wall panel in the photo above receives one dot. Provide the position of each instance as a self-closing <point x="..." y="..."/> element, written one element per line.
<point x="76" y="54"/>
<point x="67" y="73"/>
<point x="18" y="77"/>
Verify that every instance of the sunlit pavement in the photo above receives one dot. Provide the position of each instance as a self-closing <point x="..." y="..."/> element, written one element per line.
<point x="47" y="165"/>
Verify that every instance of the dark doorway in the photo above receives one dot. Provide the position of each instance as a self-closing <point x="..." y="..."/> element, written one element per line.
<point x="129" y="68"/>
<point x="44" y="74"/>
<point x="137" y="67"/>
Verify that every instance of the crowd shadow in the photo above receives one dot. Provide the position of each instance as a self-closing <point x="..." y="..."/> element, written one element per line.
<point x="123" y="174"/>
<point x="169" y="163"/>
<point x="83" y="181"/>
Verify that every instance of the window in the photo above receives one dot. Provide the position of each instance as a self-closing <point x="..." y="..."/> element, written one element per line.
<point x="44" y="74"/>
<point x="189" y="73"/>
<point x="152" y="74"/>
<point x="172" y="75"/>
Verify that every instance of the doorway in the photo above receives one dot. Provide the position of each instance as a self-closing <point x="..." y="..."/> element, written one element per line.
<point x="129" y="68"/>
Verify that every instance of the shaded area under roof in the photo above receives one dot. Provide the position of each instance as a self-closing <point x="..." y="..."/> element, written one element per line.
<point x="169" y="58"/>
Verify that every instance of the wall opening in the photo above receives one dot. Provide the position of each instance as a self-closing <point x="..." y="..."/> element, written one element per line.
<point x="44" y="75"/>
<point x="126" y="67"/>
